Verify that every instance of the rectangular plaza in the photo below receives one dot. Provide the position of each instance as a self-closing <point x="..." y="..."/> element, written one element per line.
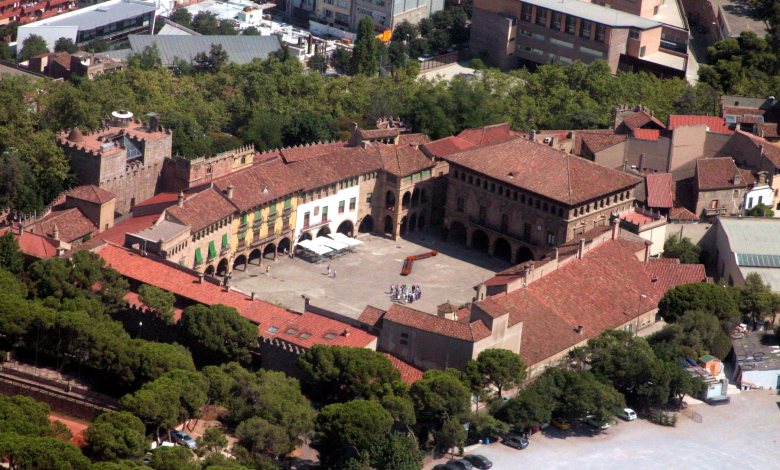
<point x="364" y="276"/>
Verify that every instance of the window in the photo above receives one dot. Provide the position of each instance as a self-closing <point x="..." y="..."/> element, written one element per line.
<point x="368" y="198"/>
<point x="324" y="213"/>
<point x="273" y="329"/>
<point x="750" y="202"/>
<point x="571" y="24"/>
<point x="482" y="213"/>
<point x="541" y="16"/>
<point x="714" y="204"/>
<point x="550" y="238"/>
<point x="601" y="33"/>
<point x="760" y="199"/>
<point x="352" y="203"/>
<point x="460" y="204"/>
<point x="341" y="207"/>
<point x="633" y="33"/>
<point x="525" y="12"/>
<point x="585" y="28"/>
<point x="556" y="21"/>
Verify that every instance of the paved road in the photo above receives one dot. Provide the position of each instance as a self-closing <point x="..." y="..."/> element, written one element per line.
<point x="744" y="435"/>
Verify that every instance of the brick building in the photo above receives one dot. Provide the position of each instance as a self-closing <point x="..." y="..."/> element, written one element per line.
<point x="125" y="157"/>
<point x="517" y="199"/>
<point x="632" y="36"/>
<point x="17" y="11"/>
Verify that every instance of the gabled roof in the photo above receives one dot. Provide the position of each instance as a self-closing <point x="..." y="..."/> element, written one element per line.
<point x="447" y="146"/>
<point x="659" y="190"/>
<point x="306" y="151"/>
<point x="768" y="149"/>
<point x="403" y="160"/>
<point x="202" y="209"/>
<point x="601" y="291"/>
<point x="488" y="134"/>
<point x="410" y="317"/>
<point x="646" y="134"/>
<point x="640" y="119"/>
<point x="720" y="173"/>
<point x="682" y="214"/>
<point x="714" y="123"/>
<point x="409" y="373"/>
<point x="91" y="193"/>
<point x="274" y="323"/>
<point x="545" y="171"/>
<point x="36" y="246"/>
<point x="260" y="184"/>
<point x="671" y="273"/>
<point x="597" y="142"/>
<point x="768" y="130"/>
<point x="71" y="224"/>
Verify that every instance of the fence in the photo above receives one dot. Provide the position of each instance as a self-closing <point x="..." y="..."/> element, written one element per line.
<point x="441" y="60"/>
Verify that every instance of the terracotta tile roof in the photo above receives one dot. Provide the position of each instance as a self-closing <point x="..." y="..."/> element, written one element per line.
<point x="71" y="223"/>
<point x="719" y="173"/>
<point x="544" y="171"/>
<point x="659" y="190"/>
<point x="274" y="323"/>
<point x="202" y="209"/>
<point x="640" y="119"/>
<point x="637" y="218"/>
<point x="682" y="214"/>
<point x="647" y="134"/>
<point x="93" y="141"/>
<point x="768" y="149"/>
<point x="714" y="123"/>
<point x="33" y="245"/>
<point x="489" y="134"/>
<point x="413" y="139"/>
<point x="305" y="152"/>
<point x="670" y="273"/>
<point x="447" y="146"/>
<point x="409" y="373"/>
<point x="91" y="193"/>
<point x="403" y="160"/>
<point x="742" y="110"/>
<point x="160" y="198"/>
<point x="260" y="184"/>
<point x="368" y="134"/>
<point x="768" y="130"/>
<point x="597" y="142"/>
<point x="371" y="315"/>
<point x="401" y="315"/>
<point x="598" y="292"/>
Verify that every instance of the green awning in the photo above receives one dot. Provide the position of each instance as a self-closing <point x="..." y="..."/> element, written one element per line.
<point x="198" y="257"/>
<point x="212" y="250"/>
<point x="224" y="240"/>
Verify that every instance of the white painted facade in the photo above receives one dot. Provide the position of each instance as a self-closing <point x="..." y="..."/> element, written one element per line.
<point x="759" y="195"/>
<point x="315" y="208"/>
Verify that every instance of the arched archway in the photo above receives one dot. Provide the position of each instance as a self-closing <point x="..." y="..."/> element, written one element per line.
<point x="421" y="222"/>
<point x="346" y="227"/>
<point x="254" y="257"/>
<point x="366" y="225"/>
<point x="209" y="271"/>
<point x="523" y="254"/>
<point x="423" y="196"/>
<point x="222" y="267"/>
<point x="415" y="197"/>
<point x="404" y="226"/>
<point x="388" y="224"/>
<point x="480" y="241"/>
<point x="240" y="263"/>
<point x="284" y="245"/>
<point x="458" y="233"/>
<point x="412" y="222"/>
<point x="502" y="249"/>
<point x="323" y="231"/>
<point x="390" y="200"/>
<point x="406" y="200"/>
<point x="269" y="252"/>
<point x="304" y="236"/>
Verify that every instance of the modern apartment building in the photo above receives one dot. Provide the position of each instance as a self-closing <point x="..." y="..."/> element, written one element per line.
<point x="386" y="14"/>
<point x="17" y="11"/>
<point x="520" y="32"/>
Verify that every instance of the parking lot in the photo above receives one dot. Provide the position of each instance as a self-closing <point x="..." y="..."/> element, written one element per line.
<point x="744" y="434"/>
<point x="363" y="277"/>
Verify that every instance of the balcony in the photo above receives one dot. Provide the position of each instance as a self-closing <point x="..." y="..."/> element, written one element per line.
<point x="287" y="211"/>
<point x="715" y="212"/>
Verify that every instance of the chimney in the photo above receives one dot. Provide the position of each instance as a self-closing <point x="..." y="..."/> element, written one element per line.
<point x="200" y="278"/>
<point x="581" y="251"/>
<point x="615" y="228"/>
<point x="346" y="332"/>
<point x="533" y="135"/>
<point x="252" y="296"/>
<point x="230" y="191"/>
<point x="180" y="201"/>
<point x="762" y="178"/>
<point x="55" y="234"/>
<point x="154" y="122"/>
<point x="579" y="329"/>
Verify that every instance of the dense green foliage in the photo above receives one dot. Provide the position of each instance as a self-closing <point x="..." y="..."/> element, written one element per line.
<point x="498" y="368"/>
<point x="761" y="210"/>
<point x="159" y="300"/>
<point x="11" y="259"/>
<point x="356" y="425"/>
<point x="115" y="436"/>
<point x="217" y="334"/>
<point x="683" y="249"/>
<point x="32" y="46"/>
<point x="65" y="45"/>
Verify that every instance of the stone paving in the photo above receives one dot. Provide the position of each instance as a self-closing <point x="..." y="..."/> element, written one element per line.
<point x="364" y="277"/>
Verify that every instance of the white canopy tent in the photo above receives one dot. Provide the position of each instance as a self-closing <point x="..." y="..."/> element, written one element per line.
<point x="336" y="245"/>
<point x="316" y="248"/>
<point x="340" y="237"/>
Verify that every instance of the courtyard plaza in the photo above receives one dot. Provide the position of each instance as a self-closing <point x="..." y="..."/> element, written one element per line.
<point x="364" y="276"/>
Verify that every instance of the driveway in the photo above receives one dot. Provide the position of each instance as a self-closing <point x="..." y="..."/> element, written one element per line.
<point x="744" y="434"/>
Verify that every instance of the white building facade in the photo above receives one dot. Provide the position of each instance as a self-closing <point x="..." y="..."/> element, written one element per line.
<point x="322" y="211"/>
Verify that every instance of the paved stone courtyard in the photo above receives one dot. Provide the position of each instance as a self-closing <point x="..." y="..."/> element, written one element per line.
<point x="364" y="277"/>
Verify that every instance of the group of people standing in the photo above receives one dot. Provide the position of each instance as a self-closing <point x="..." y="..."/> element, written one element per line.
<point x="405" y="294"/>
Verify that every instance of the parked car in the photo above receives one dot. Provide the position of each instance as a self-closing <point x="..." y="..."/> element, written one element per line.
<point x="593" y="422"/>
<point x="561" y="424"/>
<point x="459" y="464"/>
<point x="518" y="442"/>
<point x="479" y="461"/>
<point x="184" y="439"/>
<point x="627" y="414"/>
<point x="719" y="401"/>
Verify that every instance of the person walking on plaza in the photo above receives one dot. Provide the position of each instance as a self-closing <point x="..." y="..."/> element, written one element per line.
<point x="328" y="270"/>
<point x="334" y="273"/>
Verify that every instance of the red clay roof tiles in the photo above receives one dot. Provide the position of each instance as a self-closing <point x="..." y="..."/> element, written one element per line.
<point x="202" y="209"/>
<point x="409" y="373"/>
<point x="91" y="193"/>
<point x="545" y="171"/>
<point x="714" y="123"/>
<point x="435" y="324"/>
<point x="71" y="223"/>
<point x="647" y="134"/>
<point x="720" y="173"/>
<point x="659" y="190"/>
<point x="640" y="119"/>
<point x="598" y="141"/>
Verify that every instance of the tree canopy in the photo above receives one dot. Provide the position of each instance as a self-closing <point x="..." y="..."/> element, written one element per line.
<point x="115" y="436"/>
<point x="499" y="368"/>
<point x="682" y="249"/>
<point x="217" y="334"/>
<point x="343" y="427"/>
